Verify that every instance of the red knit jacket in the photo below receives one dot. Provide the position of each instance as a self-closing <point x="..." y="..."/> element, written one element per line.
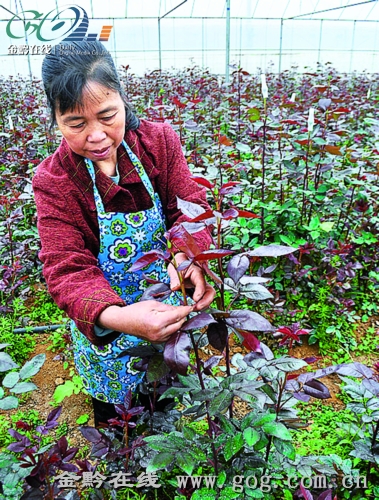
<point x="67" y="218"/>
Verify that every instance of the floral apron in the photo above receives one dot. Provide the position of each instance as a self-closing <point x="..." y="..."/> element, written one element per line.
<point x="124" y="237"/>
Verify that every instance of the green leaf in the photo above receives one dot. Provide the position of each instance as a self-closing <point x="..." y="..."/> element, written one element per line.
<point x="285" y="239"/>
<point x="256" y="493"/>
<point x="160" y="461"/>
<point x="83" y="419"/>
<point x="246" y="421"/>
<point x="1" y="392"/>
<point x="253" y="114"/>
<point x="287" y="495"/>
<point x="63" y="391"/>
<point x="326" y="226"/>
<point x="174" y="392"/>
<point x="11" y="379"/>
<point x="244" y="148"/>
<point x="32" y="366"/>
<point x="285" y="448"/>
<point x="221" y="402"/>
<point x="156" y="369"/>
<point x="160" y="443"/>
<point x="221" y="479"/>
<point x="315" y="234"/>
<point x="269" y="417"/>
<point x="226" y="425"/>
<point x="189" y="433"/>
<point x="24" y="387"/>
<point x="9" y="403"/>
<point x="278" y="430"/>
<point x="204" y="494"/>
<point x="233" y="445"/>
<point x="185" y="461"/>
<point x="314" y="224"/>
<point x="190" y="381"/>
<point x="251" y="436"/>
<point x="228" y="493"/>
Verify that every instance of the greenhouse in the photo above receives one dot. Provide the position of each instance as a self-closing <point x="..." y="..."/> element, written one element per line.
<point x="189" y="250"/>
<point x="161" y="34"/>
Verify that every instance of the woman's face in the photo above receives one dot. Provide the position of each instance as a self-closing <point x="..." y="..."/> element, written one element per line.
<point x="96" y="130"/>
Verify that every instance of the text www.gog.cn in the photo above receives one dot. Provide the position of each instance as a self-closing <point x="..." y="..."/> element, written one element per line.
<point x="266" y="483"/>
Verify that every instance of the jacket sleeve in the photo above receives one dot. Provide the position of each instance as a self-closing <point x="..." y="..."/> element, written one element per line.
<point x="181" y="185"/>
<point x="70" y="269"/>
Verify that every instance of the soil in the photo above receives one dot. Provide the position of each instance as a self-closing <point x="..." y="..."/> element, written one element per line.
<point x="53" y="374"/>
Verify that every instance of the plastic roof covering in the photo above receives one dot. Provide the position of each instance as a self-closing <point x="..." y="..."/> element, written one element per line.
<point x="312" y="32"/>
<point x="360" y="10"/>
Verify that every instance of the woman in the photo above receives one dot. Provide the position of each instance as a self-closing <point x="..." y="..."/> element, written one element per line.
<point x="103" y="199"/>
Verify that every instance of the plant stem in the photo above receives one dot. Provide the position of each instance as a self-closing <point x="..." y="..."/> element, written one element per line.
<point x="262" y="235"/>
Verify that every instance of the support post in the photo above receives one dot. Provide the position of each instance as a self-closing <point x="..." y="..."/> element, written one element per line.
<point x="159" y="32"/>
<point x="227" y="49"/>
<point x="319" y="42"/>
<point x="280" y="46"/>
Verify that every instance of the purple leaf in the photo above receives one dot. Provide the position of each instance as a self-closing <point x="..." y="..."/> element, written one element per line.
<point x="206" y="216"/>
<point x="323" y="372"/>
<point x="306" y="493"/>
<point x="211" y="363"/>
<point x="237" y="267"/>
<point x="301" y="396"/>
<point x="203" y="182"/>
<point x="217" y="334"/>
<point x="191" y="210"/>
<point x="271" y="251"/>
<point x="145" y="260"/>
<point x="250" y="341"/>
<point x="182" y="240"/>
<point x="372" y="386"/>
<point x="128" y="399"/>
<point x="33" y="494"/>
<point x="184" y="265"/>
<point x="316" y="389"/>
<point x="61" y="445"/>
<point x="91" y="434"/>
<point x="324" y="104"/>
<point x="325" y="495"/>
<point x="355" y="370"/>
<point x="270" y="269"/>
<point x="15" y="434"/>
<point x="176" y="352"/>
<point x="230" y="190"/>
<point x="212" y="254"/>
<point x="199" y="321"/>
<point x="100" y="449"/>
<point x="311" y="359"/>
<point x="248" y="320"/>
<point x="54" y="415"/>
<point x="292" y="385"/>
<point x="17" y="447"/>
<point x="70" y="454"/>
<point x="68" y="467"/>
<point x="230" y="213"/>
<point x="159" y="291"/>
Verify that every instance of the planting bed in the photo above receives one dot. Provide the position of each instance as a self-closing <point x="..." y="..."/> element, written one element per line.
<point x="293" y="181"/>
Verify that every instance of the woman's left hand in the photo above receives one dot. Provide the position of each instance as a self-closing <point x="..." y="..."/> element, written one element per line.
<point x="203" y="294"/>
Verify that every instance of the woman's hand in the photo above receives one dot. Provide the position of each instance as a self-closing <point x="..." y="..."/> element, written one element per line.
<point x="149" y="320"/>
<point x="203" y="294"/>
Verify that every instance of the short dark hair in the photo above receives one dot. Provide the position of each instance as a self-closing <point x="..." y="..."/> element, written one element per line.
<point x="68" y="70"/>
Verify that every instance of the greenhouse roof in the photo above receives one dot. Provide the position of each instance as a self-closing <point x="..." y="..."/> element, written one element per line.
<point x="359" y="10"/>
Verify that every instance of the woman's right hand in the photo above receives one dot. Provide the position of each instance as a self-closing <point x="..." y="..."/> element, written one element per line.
<point x="149" y="320"/>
